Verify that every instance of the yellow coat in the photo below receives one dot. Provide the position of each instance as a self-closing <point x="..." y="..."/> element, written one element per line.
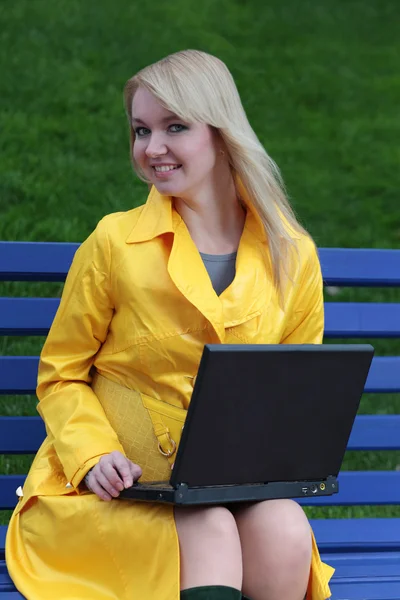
<point x="138" y="307"/>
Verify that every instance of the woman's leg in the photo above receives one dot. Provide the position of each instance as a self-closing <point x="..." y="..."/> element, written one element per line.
<point x="276" y="548"/>
<point x="210" y="551"/>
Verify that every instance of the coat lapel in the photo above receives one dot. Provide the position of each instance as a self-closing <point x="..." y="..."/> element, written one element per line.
<point x="187" y="271"/>
<point x="251" y="290"/>
<point x="252" y="286"/>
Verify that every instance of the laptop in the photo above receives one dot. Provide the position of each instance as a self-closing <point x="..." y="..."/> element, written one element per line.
<point x="264" y="422"/>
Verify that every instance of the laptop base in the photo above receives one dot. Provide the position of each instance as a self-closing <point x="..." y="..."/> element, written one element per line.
<point x="223" y="494"/>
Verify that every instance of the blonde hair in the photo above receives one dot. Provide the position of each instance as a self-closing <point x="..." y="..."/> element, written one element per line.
<point x="197" y="86"/>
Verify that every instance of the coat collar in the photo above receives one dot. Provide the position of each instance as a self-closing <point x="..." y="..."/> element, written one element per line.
<point x="252" y="286"/>
<point x="158" y="217"/>
<point x="154" y="220"/>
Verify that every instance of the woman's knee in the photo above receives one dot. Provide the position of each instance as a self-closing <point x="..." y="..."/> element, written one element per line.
<point x="210" y="547"/>
<point x="277" y="534"/>
<point x="276" y="550"/>
<point x="213" y="522"/>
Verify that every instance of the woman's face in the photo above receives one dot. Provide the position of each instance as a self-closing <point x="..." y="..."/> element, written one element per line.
<point x="179" y="158"/>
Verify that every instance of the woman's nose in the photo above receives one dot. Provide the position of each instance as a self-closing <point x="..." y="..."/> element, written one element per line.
<point x="155" y="147"/>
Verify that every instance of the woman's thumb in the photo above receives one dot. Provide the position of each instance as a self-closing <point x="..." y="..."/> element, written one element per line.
<point x="136" y="471"/>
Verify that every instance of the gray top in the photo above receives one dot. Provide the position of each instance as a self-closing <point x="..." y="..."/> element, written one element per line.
<point x="221" y="269"/>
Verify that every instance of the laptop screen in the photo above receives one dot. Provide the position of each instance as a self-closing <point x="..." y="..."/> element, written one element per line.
<point x="263" y="413"/>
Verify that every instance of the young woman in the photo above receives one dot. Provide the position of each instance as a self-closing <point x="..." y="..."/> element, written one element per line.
<point x="214" y="256"/>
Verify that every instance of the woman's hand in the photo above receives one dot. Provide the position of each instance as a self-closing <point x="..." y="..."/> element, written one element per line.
<point x="111" y="475"/>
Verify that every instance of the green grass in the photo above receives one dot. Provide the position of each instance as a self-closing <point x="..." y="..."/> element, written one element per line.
<point x="320" y="84"/>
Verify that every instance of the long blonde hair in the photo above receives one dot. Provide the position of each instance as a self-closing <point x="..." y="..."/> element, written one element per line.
<point x="197" y="86"/>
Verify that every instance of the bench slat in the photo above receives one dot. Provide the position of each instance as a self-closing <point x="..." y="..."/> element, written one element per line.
<point x="362" y="488"/>
<point x="6" y="585"/>
<point x="362" y="320"/>
<point x="34" y="316"/>
<point x="27" y="316"/>
<point x="373" y="589"/>
<point x="358" y="586"/>
<point x="334" y="536"/>
<point x="35" y="261"/>
<point x="366" y="565"/>
<point x="356" y="535"/>
<point x="50" y="261"/>
<point x="18" y="375"/>
<point x="21" y="435"/>
<point x="375" y="432"/>
<point x="8" y="486"/>
<point x="355" y="488"/>
<point x="24" y="435"/>
<point x="384" y="375"/>
<point x="360" y="266"/>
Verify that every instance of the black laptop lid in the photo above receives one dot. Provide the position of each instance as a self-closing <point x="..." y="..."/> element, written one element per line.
<point x="262" y="413"/>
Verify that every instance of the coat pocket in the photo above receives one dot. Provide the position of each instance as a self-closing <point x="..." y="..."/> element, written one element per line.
<point x="168" y="422"/>
<point x="144" y="426"/>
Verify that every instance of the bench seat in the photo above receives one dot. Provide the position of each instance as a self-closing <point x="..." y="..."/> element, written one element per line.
<point x="364" y="552"/>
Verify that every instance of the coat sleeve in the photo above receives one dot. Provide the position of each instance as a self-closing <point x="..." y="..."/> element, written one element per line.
<point x="72" y="413"/>
<point x="305" y="322"/>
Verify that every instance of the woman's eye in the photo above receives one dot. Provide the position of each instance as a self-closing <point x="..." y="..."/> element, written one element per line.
<point x="182" y="127"/>
<point x="174" y="128"/>
<point x="139" y="131"/>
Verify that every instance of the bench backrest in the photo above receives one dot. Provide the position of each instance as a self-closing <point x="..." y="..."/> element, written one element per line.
<point x="49" y="262"/>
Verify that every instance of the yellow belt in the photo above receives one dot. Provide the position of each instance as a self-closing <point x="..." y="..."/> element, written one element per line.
<point x="149" y="429"/>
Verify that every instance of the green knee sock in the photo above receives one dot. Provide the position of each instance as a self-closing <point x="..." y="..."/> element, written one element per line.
<point x="211" y="592"/>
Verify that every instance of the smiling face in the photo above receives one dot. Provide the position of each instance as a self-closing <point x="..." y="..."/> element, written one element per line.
<point x="179" y="158"/>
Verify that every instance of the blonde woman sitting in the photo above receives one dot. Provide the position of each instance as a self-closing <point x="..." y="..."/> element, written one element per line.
<point x="214" y="256"/>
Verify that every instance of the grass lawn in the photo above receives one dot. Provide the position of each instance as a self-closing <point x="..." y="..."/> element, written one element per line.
<point x="320" y="83"/>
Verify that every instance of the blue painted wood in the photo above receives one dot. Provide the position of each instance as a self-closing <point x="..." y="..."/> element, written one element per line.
<point x="34" y="316"/>
<point x="35" y="261"/>
<point x="50" y="261"/>
<point x="18" y="374"/>
<point x="383" y="563"/>
<point x="362" y="320"/>
<point x="8" y="486"/>
<point x="365" y="552"/>
<point x="337" y="536"/>
<point x="6" y="584"/>
<point x="367" y="573"/>
<point x="362" y="565"/>
<point x="362" y="488"/>
<point x="354" y="589"/>
<point x="355" y="488"/>
<point x="375" y="432"/>
<point x="27" y="316"/>
<point x="357" y="535"/>
<point x="3" y="531"/>
<point x="363" y="267"/>
<point x="384" y="375"/>
<point x="23" y="435"/>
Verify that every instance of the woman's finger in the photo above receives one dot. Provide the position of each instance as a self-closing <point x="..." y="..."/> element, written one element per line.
<point x="122" y="464"/>
<point x="106" y="484"/>
<point x="109" y="471"/>
<point x="136" y="471"/>
<point x="96" y="488"/>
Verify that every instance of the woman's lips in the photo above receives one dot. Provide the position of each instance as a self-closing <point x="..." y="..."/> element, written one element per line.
<point x="167" y="173"/>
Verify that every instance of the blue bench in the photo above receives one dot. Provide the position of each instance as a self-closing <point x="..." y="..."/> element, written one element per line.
<point x="365" y="552"/>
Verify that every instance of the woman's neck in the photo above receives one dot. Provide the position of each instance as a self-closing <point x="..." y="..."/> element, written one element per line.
<point x="214" y="217"/>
